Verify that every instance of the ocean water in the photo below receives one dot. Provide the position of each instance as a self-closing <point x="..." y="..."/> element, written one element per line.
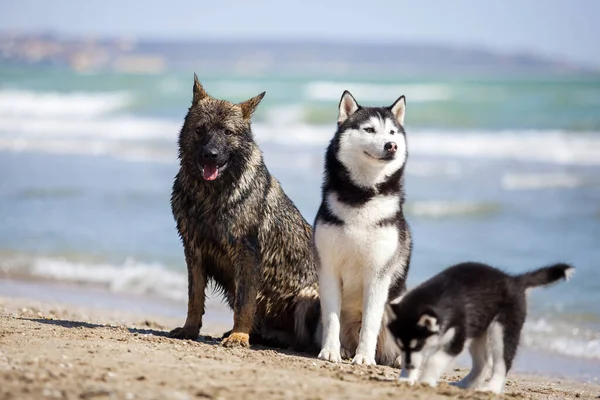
<point x="501" y="171"/>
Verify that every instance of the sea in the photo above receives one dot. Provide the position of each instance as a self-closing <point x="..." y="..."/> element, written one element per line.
<point x="500" y="170"/>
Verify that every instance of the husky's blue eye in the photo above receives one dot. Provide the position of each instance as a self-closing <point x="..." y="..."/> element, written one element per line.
<point x="369" y="130"/>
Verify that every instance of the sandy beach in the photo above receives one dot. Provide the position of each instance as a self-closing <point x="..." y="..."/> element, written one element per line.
<point x="60" y="350"/>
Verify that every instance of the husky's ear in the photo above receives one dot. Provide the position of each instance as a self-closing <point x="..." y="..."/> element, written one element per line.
<point x="429" y="321"/>
<point x="398" y="109"/>
<point x="250" y="105"/>
<point x="347" y="107"/>
<point x="199" y="92"/>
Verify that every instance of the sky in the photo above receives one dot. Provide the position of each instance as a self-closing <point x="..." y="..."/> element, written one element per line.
<point x="564" y="29"/>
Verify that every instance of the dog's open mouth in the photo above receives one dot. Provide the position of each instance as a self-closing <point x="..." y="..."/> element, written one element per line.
<point x="210" y="172"/>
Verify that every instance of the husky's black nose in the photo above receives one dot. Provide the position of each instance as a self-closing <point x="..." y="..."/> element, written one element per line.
<point x="390" y="147"/>
<point x="210" y="155"/>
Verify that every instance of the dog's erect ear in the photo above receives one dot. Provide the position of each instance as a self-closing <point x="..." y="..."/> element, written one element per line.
<point x="199" y="92"/>
<point x="429" y="321"/>
<point x="398" y="109"/>
<point x="250" y="105"/>
<point x="347" y="107"/>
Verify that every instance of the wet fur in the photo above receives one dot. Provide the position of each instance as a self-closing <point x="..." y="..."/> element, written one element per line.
<point x="241" y="231"/>
<point x="469" y="305"/>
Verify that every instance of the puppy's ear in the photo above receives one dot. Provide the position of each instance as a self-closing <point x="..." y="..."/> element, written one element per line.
<point x="398" y="109"/>
<point x="347" y="107"/>
<point x="250" y="105"/>
<point x="430" y="321"/>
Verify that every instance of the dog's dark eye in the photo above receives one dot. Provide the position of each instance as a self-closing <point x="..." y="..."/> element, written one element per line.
<point x="369" y="130"/>
<point x="198" y="130"/>
<point x="228" y="132"/>
<point x="392" y="132"/>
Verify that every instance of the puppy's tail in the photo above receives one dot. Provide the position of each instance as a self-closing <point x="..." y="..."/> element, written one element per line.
<point x="545" y="276"/>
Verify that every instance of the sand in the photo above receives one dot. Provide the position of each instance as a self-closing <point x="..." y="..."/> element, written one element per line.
<point x="51" y="350"/>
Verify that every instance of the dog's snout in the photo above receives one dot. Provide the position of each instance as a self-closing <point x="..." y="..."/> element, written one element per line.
<point x="391" y="147"/>
<point x="209" y="154"/>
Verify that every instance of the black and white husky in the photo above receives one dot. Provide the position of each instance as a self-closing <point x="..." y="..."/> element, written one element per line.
<point x="362" y="242"/>
<point x="467" y="305"/>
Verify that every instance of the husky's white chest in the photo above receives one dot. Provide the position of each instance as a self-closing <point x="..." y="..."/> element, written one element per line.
<point x="361" y="241"/>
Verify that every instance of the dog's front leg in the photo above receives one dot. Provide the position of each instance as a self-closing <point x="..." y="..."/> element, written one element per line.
<point x="375" y="296"/>
<point x="330" y="291"/>
<point x="196" y="288"/>
<point x="247" y="271"/>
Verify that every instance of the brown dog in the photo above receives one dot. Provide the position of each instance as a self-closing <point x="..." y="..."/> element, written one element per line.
<point x="240" y="229"/>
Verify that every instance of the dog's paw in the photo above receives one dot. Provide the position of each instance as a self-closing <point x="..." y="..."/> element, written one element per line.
<point x="236" y="339"/>
<point x="345" y="353"/>
<point x="489" y="389"/>
<point x="361" y="359"/>
<point x="410" y="381"/>
<point x="185" y="333"/>
<point x="429" y="382"/>
<point x="330" y="355"/>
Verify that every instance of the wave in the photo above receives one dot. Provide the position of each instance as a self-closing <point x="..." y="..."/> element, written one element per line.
<point x="562" y="338"/>
<point x="129" y="277"/>
<point x="542" y="181"/>
<point x="33" y="104"/>
<point x="326" y="90"/>
<point x="98" y="123"/>
<point x="448" y="209"/>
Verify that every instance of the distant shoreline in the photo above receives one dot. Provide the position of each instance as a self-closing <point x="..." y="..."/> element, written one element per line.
<point x="128" y="55"/>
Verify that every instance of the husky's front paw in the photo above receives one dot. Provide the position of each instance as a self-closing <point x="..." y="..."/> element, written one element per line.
<point x="490" y="389"/>
<point x="331" y="355"/>
<point x="430" y="382"/>
<point x="236" y="339"/>
<point x="361" y="359"/>
<point x="410" y="381"/>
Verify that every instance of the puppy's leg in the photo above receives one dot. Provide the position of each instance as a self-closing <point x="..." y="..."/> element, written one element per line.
<point x="247" y="269"/>
<point x="499" y="367"/>
<point x="196" y="287"/>
<point x="375" y="296"/>
<point x="330" y="292"/>
<point x="411" y="367"/>
<point x="436" y="364"/>
<point x="479" y="356"/>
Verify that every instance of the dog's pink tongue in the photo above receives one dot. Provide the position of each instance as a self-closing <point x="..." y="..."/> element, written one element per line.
<point x="210" y="172"/>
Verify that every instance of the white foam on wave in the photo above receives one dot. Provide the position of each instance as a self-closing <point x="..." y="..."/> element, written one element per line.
<point x="130" y="277"/>
<point x="54" y="104"/>
<point x="557" y="147"/>
<point x="446" y="209"/>
<point x="56" y="126"/>
<point x="374" y="92"/>
<point x="110" y="128"/>
<point x="541" y="181"/>
<point x="561" y="338"/>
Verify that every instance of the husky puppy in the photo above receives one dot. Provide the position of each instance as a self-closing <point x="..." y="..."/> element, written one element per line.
<point x="467" y="305"/>
<point x="362" y="241"/>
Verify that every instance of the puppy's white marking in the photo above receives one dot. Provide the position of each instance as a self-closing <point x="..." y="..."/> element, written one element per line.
<point x="496" y="348"/>
<point x="435" y="366"/>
